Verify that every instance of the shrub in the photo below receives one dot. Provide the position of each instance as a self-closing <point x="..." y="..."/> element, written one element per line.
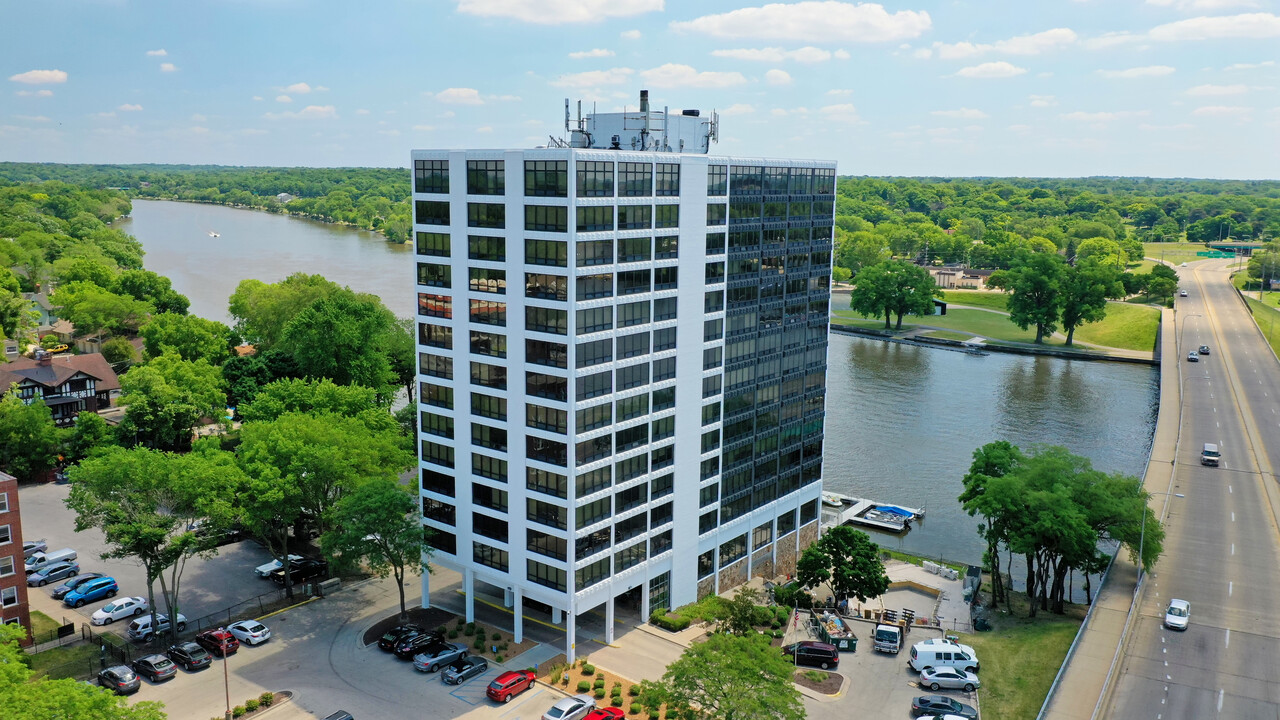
<point x="497" y="658"/>
<point x="251" y="704"/>
<point x="440" y="629"/>
<point x="478" y="644"/>
<point x="599" y="683"/>
<point x="497" y="637"/>
<point x="778" y="634"/>
<point x="453" y="633"/>
<point x="588" y="669"/>
<point x="266" y="698"/>
<point x="555" y="677"/>
<point x="599" y="693"/>
<point x="583" y="686"/>
<point x="616" y="702"/>
<point x="815" y="675"/>
<point x="775" y="625"/>
<point x="617" y="684"/>
<point x="237" y="711"/>
<point x="634" y="709"/>
<point x="667" y="621"/>
<point x="470" y="630"/>
<point x="633" y="691"/>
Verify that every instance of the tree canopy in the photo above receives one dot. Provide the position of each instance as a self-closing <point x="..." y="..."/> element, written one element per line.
<point x="728" y="677"/>
<point x="893" y="288"/>
<point x="848" y="561"/>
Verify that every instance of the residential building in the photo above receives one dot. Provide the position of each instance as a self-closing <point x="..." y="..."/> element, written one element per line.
<point x="13" y="579"/>
<point x="622" y="365"/>
<point x="68" y="384"/>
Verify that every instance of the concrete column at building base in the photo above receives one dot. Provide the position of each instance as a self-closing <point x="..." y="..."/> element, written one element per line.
<point x="426" y="590"/>
<point x="608" y="620"/>
<point x="469" y="590"/>
<point x="508" y="597"/>
<point x="570" y="637"/>
<point x="519" y="616"/>
<point x="644" y="602"/>
<point x="555" y="616"/>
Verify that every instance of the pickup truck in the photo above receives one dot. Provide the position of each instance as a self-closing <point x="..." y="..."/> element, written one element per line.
<point x="887" y="638"/>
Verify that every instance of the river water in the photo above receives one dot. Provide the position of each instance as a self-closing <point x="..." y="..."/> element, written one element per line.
<point x="902" y="420"/>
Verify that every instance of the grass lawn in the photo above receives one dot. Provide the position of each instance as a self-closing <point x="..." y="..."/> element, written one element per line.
<point x="949" y="335"/>
<point x="42" y="625"/>
<point x="981" y="322"/>
<point x="78" y="661"/>
<point x="1132" y="327"/>
<point x="1176" y="253"/>
<point x="1020" y="657"/>
<point x="978" y="298"/>
<point x="1266" y="318"/>
<point x="1141" y="267"/>
<point x="849" y="317"/>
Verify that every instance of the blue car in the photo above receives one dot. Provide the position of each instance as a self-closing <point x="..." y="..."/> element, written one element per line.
<point x="95" y="589"/>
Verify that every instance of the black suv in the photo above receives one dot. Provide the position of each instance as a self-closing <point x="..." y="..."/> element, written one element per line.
<point x="412" y="643"/>
<point x="301" y="571"/>
<point x="392" y="637"/>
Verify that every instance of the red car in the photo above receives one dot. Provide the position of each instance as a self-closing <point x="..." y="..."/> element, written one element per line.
<point x="604" y="713"/>
<point x="509" y="684"/>
<point x="218" y="641"/>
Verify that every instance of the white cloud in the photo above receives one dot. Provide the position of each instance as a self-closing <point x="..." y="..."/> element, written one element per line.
<point x="595" y="53"/>
<point x="1035" y="44"/>
<point x="447" y="114"/>
<point x="253" y="131"/>
<point x="1043" y="100"/>
<point x="389" y="133"/>
<point x="1178" y="126"/>
<point x="843" y="112"/>
<point x="283" y="98"/>
<point x="199" y="118"/>
<point x="310" y="112"/>
<point x="459" y="96"/>
<point x="556" y="12"/>
<point x="1102" y="117"/>
<point x="844" y="91"/>
<point x="157" y="53"/>
<point x="33" y="118"/>
<point x="1204" y="4"/>
<point x="424" y="128"/>
<point x="127" y="107"/>
<point x="674" y="75"/>
<point x="629" y="34"/>
<point x="40" y="77"/>
<point x="813" y="21"/>
<point x="168" y="67"/>
<point x="300" y="88"/>
<point x="503" y="98"/>
<point x="198" y="130"/>
<point x="34" y="93"/>
<point x="1220" y="110"/>
<point x="1210" y="90"/>
<point x="1250" y="66"/>
<point x="922" y="53"/>
<point x="484" y="129"/>
<point x="999" y="69"/>
<point x="257" y="98"/>
<point x="807" y="54"/>
<point x="963" y="113"/>
<point x="362" y="111"/>
<point x="738" y="109"/>
<point x="1020" y="129"/>
<point x="1247" y="25"/>
<point x="777" y="77"/>
<point x="1112" y="39"/>
<point x="594" y="78"/>
<point x="1138" y="72"/>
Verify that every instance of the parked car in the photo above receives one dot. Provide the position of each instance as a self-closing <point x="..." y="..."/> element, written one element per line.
<point x="301" y="571"/>
<point x="463" y="669"/>
<point x="189" y="655"/>
<point x="1178" y="616"/>
<point x="509" y="684"/>
<point x="950" y="678"/>
<point x="812" y="652"/>
<point x="120" y="609"/>
<point x="31" y="547"/>
<point x="604" y="713"/>
<point x="155" y="667"/>
<point x="140" y="628"/>
<point x="119" y="679"/>
<point x="433" y="656"/>
<point x="250" y="632"/>
<point x="340" y="715"/>
<point x="941" y="705"/>
<point x="53" y="572"/>
<point x="392" y="637"/>
<point x="1193" y="356"/>
<point x="413" y="643"/>
<point x="59" y="348"/>
<point x="264" y="570"/>
<point x="1204" y="349"/>
<point x="571" y="708"/>
<point x="218" y="641"/>
<point x="66" y="587"/>
<point x="1182" y="293"/>
<point x="95" y="589"/>
<point x="39" y="560"/>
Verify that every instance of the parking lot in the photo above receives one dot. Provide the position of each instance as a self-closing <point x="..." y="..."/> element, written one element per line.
<point x="208" y="584"/>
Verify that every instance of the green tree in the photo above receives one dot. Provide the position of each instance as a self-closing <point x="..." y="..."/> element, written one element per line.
<point x="740" y="612"/>
<point x="191" y="337"/>
<point x="848" y="561"/>
<point x="118" y="351"/>
<point x="26" y="697"/>
<point x="1085" y="288"/>
<point x="893" y="288"/>
<point x="89" y="434"/>
<point x="92" y="309"/>
<point x="993" y="460"/>
<point x="165" y="398"/>
<point x="29" y="440"/>
<point x="343" y="337"/>
<point x="1265" y="266"/>
<point x="262" y="310"/>
<point x="153" y="288"/>
<point x="310" y="396"/>
<point x="379" y="522"/>
<point x="728" y="677"/>
<point x="1034" y="289"/>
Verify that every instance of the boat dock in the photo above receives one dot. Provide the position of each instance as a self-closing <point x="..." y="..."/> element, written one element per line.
<point x="840" y="509"/>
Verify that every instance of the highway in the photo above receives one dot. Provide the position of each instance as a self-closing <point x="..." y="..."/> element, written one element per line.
<point x="1222" y="545"/>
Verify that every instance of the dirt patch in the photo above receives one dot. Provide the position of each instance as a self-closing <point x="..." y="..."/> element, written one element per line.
<point x="456" y="630"/>
<point x="429" y="618"/>
<point x="828" y="685"/>
<point x="616" y="689"/>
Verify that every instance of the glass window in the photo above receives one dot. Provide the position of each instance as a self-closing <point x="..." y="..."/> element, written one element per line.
<point x="486" y="177"/>
<point x="541" y="352"/>
<point x="431" y="176"/>
<point x="631" y="468"/>
<point x="487" y="280"/>
<point x="594" y="480"/>
<point x="544" y="544"/>
<point x="487" y="343"/>
<point x="808" y="512"/>
<point x="711" y="386"/>
<point x="595" y="179"/>
<point x="590" y="320"/>
<point x="666" y="247"/>
<point x="667" y="179"/>
<point x="591" y="574"/>
<point x="547" y="287"/>
<point x="664" y="339"/>
<point x="635" y="313"/>
<point x="633" y="345"/>
<point x="441" y="512"/>
<point x="664" y="399"/>
<point x="715" y="273"/>
<point x="489" y="437"/>
<point x="589" y="386"/>
<point x="489" y="467"/>
<point x="662" y="486"/>
<point x="746" y="210"/>
<point x="592" y="543"/>
<point x="667" y="216"/>
<point x="547" y="451"/>
<point x="543" y="574"/>
<point x="664" y="369"/>
<point x="435" y="366"/>
<point x="591" y="287"/>
<point x="440" y="306"/>
<point x="631" y="556"/>
<point x="437" y="395"/>
<point x="493" y="249"/>
<point x="712" y="329"/>
<point x="488" y="406"/>
<point x="801" y="181"/>
<point x="588" y="514"/>
<point x="547" y="514"/>
<point x="595" y="217"/>
<point x="493" y="376"/>
<point x="659" y="544"/>
<point x="635" y="217"/>
<point x="715" y="243"/>
<point x="717" y="214"/>
<point x="489" y="312"/>
<point x="430" y="243"/>
<point x="490" y="556"/>
<point x="433" y="424"/>
<point x="489" y="497"/>
<point x="546" y="482"/>
<point x="546" y="218"/>
<point x="633" y="376"/>
<point x="546" y="178"/>
<point x="544" y="418"/>
<point x="665" y="278"/>
<point x="437" y="454"/>
<point x="664" y="309"/>
<point x="433" y="275"/>
<point x="631" y="438"/>
<point x="634" y="281"/>
<point x="746" y="180"/>
<point x="595" y="417"/>
<point x="594" y="352"/>
<point x="546" y="386"/>
<point x="437" y="482"/>
<point x="595" y="252"/>
<point x="486" y="215"/>
<point x="632" y="407"/>
<point x="634" y="249"/>
<point x="593" y="449"/>
<point x="733" y="550"/>
<point x="776" y="180"/>
<point x="635" y="179"/>
<point x="546" y="320"/>
<point x="435" y="336"/>
<point x="546" y="252"/>
<point x="717" y="180"/>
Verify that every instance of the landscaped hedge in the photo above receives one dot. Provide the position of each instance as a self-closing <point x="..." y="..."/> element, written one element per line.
<point x="667" y="621"/>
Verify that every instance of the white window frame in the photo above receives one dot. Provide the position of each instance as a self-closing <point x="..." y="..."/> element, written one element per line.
<point x="9" y="597"/>
<point x="12" y="621"/>
<point x="7" y="534"/>
<point x="13" y="566"/>
<point x="4" y="502"/>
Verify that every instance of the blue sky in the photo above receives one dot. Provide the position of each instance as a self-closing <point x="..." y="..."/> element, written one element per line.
<point x="917" y="87"/>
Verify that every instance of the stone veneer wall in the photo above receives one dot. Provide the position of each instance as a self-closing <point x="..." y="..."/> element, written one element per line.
<point x="762" y="563"/>
<point x="706" y="586"/>
<point x="786" y="560"/>
<point x="734" y="575"/>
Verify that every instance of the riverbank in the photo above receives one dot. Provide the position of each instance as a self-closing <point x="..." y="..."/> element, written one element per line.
<point x="280" y="210"/>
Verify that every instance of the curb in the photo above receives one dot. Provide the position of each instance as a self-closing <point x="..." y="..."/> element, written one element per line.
<point x="273" y="613"/>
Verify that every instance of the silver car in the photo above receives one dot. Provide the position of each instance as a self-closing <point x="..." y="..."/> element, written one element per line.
<point x="53" y="572"/>
<point x="571" y="708"/>
<point x="1178" y="616"/>
<point x="434" y="657"/>
<point x="948" y="677"/>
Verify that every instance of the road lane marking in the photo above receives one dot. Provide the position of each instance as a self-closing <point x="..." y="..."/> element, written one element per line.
<point x="1233" y="516"/>
<point x="1219" y="699"/>
<point x="1229" y="490"/>
<point x="1228" y="637"/>
<point x="1229" y="587"/>
<point x="1233" y="548"/>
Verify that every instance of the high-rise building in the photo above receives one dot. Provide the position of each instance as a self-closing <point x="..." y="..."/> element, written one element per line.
<point x="13" y="584"/>
<point x="622" y="364"/>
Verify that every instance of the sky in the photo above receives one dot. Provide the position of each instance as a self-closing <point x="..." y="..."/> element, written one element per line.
<point x="1045" y="88"/>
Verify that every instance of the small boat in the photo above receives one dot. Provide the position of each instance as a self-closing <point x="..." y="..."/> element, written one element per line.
<point x="860" y="511"/>
<point x="832" y="500"/>
<point x="214" y="234"/>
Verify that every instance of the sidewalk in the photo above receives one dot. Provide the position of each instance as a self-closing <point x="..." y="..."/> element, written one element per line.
<point x="1084" y="680"/>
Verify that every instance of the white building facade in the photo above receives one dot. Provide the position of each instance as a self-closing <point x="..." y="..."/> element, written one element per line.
<point x="622" y="371"/>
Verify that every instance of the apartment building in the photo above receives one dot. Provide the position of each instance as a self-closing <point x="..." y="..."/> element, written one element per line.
<point x="13" y="579"/>
<point x="622" y="365"/>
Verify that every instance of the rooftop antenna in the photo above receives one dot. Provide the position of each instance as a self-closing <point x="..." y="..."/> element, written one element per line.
<point x="644" y="110"/>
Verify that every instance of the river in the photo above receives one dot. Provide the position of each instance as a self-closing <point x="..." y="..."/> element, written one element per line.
<point x="902" y="420"/>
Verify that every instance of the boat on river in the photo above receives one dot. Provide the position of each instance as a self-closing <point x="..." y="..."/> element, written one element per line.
<point x="846" y="510"/>
<point x="214" y="234"/>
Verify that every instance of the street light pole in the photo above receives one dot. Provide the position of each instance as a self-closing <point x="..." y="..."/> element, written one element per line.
<point x="226" y="683"/>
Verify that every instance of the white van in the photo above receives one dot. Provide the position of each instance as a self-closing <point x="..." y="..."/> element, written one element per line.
<point x="41" y="559"/>
<point x="140" y="627"/>
<point x="1210" y="455"/>
<point x="937" y="652"/>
